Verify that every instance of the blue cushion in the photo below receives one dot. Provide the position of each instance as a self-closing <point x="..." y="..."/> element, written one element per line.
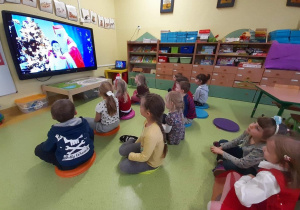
<point x="201" y="113"/>
<point x="188" y="125"/>
<point x="205" y="106"/>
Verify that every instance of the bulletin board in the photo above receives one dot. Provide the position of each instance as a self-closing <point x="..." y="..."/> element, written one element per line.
<point x="7" y="85"/>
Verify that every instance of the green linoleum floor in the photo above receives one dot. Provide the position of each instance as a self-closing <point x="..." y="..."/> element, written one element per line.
<point x="184" y="182"/>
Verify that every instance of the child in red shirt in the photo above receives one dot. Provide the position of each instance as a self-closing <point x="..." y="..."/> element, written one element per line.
<point x="123" y="97"/>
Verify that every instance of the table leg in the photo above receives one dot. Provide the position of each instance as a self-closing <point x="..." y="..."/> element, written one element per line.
<point x="71" y="97"/>
<point x="256" y="104"/>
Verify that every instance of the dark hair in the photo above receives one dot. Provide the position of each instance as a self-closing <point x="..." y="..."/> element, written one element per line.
<point x="110" y="100"/>
<point x="178" y="75"/>
<point x="268" y="125"/>
<point x="156" y="106"/>
<point x="185" y="86"/>
<point x="63" y="110"/>
<point x="182" y="78"/>
<point x="286" y="145"/>
<point x="203" y="78"/>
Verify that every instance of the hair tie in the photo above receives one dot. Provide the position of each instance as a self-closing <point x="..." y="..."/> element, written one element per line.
<point x="277" y="119"/>
<point x="109" y="93"/>
<point x="287" y="158"/>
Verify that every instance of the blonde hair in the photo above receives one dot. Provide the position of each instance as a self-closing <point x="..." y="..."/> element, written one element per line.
<point x="176" y="98"/>
<point x="287" y="146"/>
<point x="121" y="88"/>
<point x="141" y="80"/>
<point x="110" y="101"/>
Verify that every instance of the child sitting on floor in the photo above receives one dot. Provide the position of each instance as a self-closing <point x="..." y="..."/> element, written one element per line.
<point x="245" y="159"/>
<point x="123" y="97"/>
<point x="175" y="77"/>
<point x="141" y="88"/>
<point x="189" y="112"/>
<point x="149" y="150"/>
<point x="70" y="143"/>
<point x="183" y="78"/>
<point x="173" y="122"/>
<point x="201" y="93"/>
<point x="107" y="111"/>
<point x="276" y="186"/>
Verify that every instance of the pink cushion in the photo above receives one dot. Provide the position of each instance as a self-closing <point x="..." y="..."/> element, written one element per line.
<point x="129" y="116"/>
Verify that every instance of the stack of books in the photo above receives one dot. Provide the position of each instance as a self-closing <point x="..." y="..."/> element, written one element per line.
<point x="203" y="35"/>
<point x="208" y="60"/>
<point x="207" y="49"/>
<point x="261" y="35"/>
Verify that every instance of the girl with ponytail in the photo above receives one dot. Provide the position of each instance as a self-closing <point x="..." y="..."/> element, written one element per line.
<point x="149" y="150"/>
<point x="107" y="111"/>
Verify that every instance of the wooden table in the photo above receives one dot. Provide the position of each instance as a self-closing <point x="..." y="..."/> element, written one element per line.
<point x="73" y="87"/>
<point x="283" y="95"/>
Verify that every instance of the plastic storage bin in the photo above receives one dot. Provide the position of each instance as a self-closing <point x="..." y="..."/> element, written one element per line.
<point x="165" y="49"/>
<point x="187" y="49"/>
<point x="185" y="59"/>
<point x="162" y="59"/>
<point x="173" y="59"/>
<point x="174" y="49"/>
<point x="32" y="103"/>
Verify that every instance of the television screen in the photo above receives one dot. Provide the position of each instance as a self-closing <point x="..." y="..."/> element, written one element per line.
<point x="120" y="64"/>
<point x="43" y="47"/>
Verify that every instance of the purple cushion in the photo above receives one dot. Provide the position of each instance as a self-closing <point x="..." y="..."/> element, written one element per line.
<point x="226" y="124"/>
<point x="129" y="116"/>
<point x="283" y="56"/>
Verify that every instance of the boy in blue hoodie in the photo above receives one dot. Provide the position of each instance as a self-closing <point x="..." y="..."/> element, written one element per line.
<point x="70" y="143"/>
<point x="201" y="93"/>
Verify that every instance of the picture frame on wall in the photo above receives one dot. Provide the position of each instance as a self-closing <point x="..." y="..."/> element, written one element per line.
<point x="225" y="3"/>
<point x="166" y="6"/>
<point x="293" y="3"/>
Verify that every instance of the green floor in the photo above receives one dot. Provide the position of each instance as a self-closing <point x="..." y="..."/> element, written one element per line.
<point x="184" y="182"/>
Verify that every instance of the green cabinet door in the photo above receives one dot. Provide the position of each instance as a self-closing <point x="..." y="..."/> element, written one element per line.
<point x="163" y="84"/>
<point x="150" y="82"/>
<point x="238" y="94"/>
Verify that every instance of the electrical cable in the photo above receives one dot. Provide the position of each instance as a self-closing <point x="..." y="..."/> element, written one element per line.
<point x="134" y="33"/>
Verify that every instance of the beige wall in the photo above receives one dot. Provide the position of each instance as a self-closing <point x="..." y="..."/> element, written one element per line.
<point x="105" y="44"/>
<point x="201" y="14"/>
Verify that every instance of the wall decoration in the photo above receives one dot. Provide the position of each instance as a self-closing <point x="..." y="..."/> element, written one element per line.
<point x="60" y="9"/>
<point x="106" y="23"/>
<point x="93" y="17"/>
<point x="86" y="18"/>
<point x="14" y="1"/>
<point x="31" y="3"/>
<point x="112" y="23"/>
<point x="166" y="6"/>
<point x="100" y="21"/>
<point x="72" y="12"/>
<point x="225" y="3"/>
<point x="293" y="3"/>
<point x="46" y="6"/>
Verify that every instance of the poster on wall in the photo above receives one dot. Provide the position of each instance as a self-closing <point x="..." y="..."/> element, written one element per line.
<point x="46" y="6"/>
<point x="60" y="9"/>
<point x="31" y="3"/>
<point x="100" y="21"/>
<point x="86" y="18"/>
<point x="14" y="1"/>
<point x="112" y="23"/>
<point x="72" y="12"/>
<point x="93" y="17"/>
<point x="106" y="23"/>
<point x="7" y="85"/>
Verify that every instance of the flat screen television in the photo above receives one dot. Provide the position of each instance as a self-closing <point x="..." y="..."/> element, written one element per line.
<point x="44" y="47"/>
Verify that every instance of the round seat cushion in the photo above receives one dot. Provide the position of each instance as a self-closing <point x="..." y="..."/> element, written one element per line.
<point x="201" y="113"/>
<point x="108" y="133"/>
<point x="188" y="125"/>
<point x="129" y="116"/>
<point x="227" y="125"/>
<point x="205" y="106"/>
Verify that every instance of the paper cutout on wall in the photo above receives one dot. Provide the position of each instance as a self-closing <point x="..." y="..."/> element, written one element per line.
<point x="93" y="17"/>
<point x="106" y="23"/>
<point x="112" y="23"/>
<point x="100" y="21"/>
<point x="86" y="18"/>
<point x="31" y="3"/>
<point x="14" y="1"/>
<point x="46" y="6"/>
<point x="60" y="9"/>
<point x="72" y="12"/>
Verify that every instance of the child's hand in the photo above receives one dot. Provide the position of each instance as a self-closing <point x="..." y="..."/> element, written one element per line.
<point x="216" y="150"/>
<point x="251" y="175"/>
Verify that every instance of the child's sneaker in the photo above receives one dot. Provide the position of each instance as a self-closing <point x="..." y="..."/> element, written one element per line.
<point x="219" y="169"/>
<point x="216" y="144"/>
<point x="125" y="138"/>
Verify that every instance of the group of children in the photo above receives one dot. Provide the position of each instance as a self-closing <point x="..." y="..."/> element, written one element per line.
<point x="70" y="142"/>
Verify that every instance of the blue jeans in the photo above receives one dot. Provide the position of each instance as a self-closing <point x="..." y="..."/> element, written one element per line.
<point x="238" y="153"/>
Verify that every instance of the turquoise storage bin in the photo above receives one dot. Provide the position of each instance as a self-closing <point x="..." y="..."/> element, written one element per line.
<point x="295" y="33"/>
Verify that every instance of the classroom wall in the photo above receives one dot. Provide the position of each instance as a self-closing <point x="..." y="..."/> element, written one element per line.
<point x="105" y="44"/>
<point x="193" y="15"/>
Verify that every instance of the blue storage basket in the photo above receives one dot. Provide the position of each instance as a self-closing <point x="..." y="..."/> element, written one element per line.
<point x="295" y="38"/>
<point x="167" y="49"/>
<point x="171" y="40"/>
<point x="281" y="33"/>
<point x="181" y="33"/>
<point x="282" y="40"/>
<point x="295" y="33"/>
<point x="187" y="49"/>
<point x="181" y="39"/>
<point x="191" y="39"/>
<point x="172" y="35"/>
<point x="164" y="40"/>
<point x="193" y="33"/>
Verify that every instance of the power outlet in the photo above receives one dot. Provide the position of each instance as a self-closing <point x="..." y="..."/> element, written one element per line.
<point x="139" y="27"/>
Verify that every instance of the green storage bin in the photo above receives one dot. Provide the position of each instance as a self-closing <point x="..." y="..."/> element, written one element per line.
<point x="173" y="59"/>
<point x="185" y="59"/>
<point x="174" y="49"/>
